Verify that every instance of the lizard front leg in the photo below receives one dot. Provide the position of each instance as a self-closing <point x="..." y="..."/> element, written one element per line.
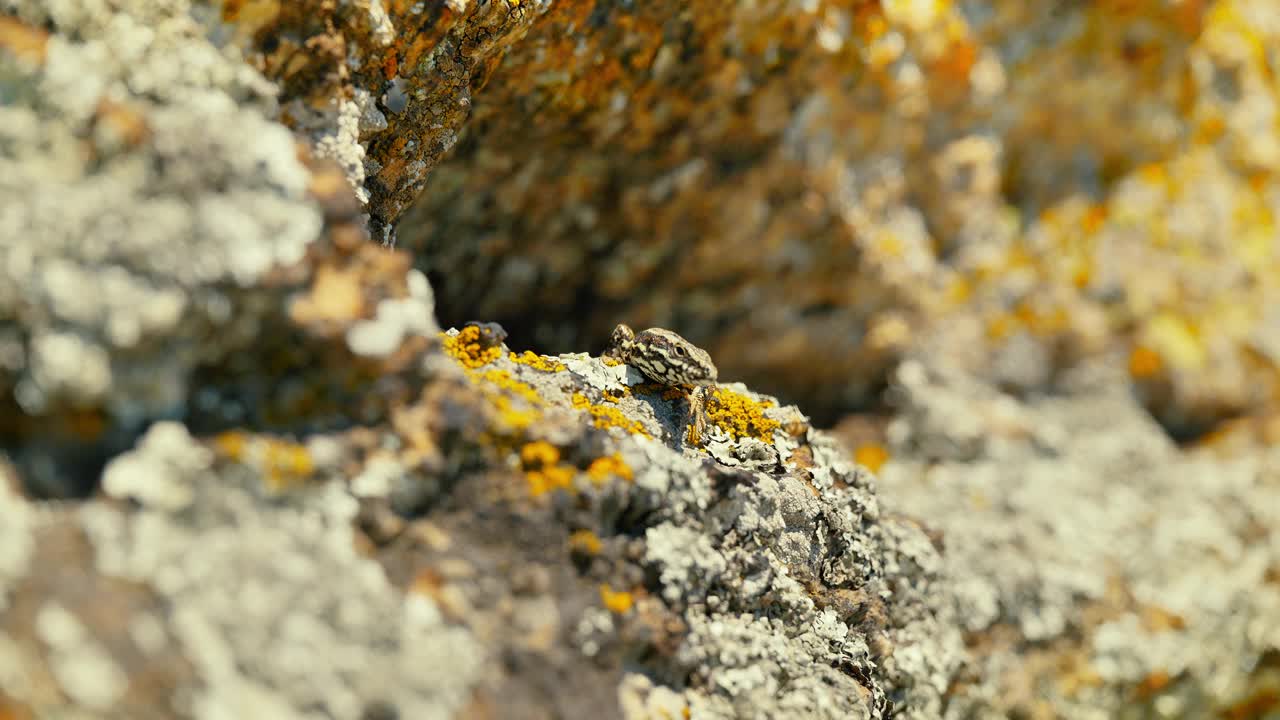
<point x="697" y="415"/>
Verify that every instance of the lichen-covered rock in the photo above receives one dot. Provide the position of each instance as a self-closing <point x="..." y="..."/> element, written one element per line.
<point x="354" y="515"/>
<point x="764" y="550"/>
<point x="1098" y="569"/>
<point x="519" y="506"/>
<point x="384" y="88"/>
<point x="813" y="191"/>
<point x="145" y="196"/>
<point x="262" y="607"/>
<point x="296" y="497"/>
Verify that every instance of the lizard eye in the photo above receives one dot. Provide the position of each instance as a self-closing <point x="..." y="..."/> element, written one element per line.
<point x="679" y="350"/>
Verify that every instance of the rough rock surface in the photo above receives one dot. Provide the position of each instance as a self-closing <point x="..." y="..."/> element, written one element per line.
<point x="815" y="190"/>
<point x="284" y="492"/>
<point x="123" y="132"/>
<point x="1102" y="567"/>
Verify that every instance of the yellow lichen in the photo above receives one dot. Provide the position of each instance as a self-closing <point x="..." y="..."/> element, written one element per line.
<point x="504" y="380"/>
<point x="614" y="600"/>
<point x="284" y="464"/>
<point x="872" y="456"/>
<point x="1177" y="340"/>
<point x="537" y="362"/>
<point x="512" y="417"/>
<point x="614" y="396"/>
<point x="610" y="465"/>
<point x="506" y="403"/>
<point x="539" y="453"/>
<point x="1000" y="327"/>
<point x="558" y="477"/>
<point x="466" y="348"/>
<point x="231" y="445"/>
<point x="543" y="470"/>
<point x="739" y="415"/>
<point x="604" y="417"/>
<point x="585" y="542"/>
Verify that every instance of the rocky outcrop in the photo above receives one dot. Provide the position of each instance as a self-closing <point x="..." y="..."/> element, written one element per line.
<point x="244" y="473"/>
<point x="815" y="192"/>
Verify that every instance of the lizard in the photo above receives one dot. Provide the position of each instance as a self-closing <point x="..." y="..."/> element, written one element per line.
<point x="668" y="359"/>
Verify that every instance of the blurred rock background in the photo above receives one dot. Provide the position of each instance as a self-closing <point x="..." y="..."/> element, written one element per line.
<point x="817" y="190"/>
<point x="1021" y="256"/>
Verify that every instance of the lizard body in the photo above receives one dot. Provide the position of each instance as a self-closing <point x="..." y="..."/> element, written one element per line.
<point x="668" y="359"/>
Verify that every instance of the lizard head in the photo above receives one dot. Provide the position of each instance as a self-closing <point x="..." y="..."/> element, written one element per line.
<point x="667" y="358"/>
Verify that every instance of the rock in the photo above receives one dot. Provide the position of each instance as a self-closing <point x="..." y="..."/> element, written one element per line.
<point x="1111" y="573"/>
<point x="244" y="473"/>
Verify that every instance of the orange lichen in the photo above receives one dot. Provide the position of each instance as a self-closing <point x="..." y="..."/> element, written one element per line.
<point x="602" y="468"/>
<point x="537" y="362"/>
<point x="1153" y="684"/>
<point x="390" y="64"/>
<point x="585" y="542"/>
<point x="231" y="9"/>
<point x="1210" y="129"/>
<point x="871" y="456"/>
<point x="1256" y="705"/>
<point x="739" y="415"/>
<point x="605" y="417"/>
<point x="1094" y="219"/>
<point x="957" y="62"/>
<point x="1156" y="619"/>
<point x="616" y="601"/>
<point x="1144" y="363"/>
<point x="466" y="348"/>
<point x="674" y="393"/>
<point x="24" y="41"/>
<point x="611" y="361"/>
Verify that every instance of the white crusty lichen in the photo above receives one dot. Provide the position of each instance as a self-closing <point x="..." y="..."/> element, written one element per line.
<point x="84" y="670"/>
<point x="144" y="188"/>
<point x="159" y="472"/>
<point x="395" y="319"/>
<point x="736" y="532"/>
<point x="340" y="141"/>
<point x="232" y="561"/>
<point x="17" y="523"/>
